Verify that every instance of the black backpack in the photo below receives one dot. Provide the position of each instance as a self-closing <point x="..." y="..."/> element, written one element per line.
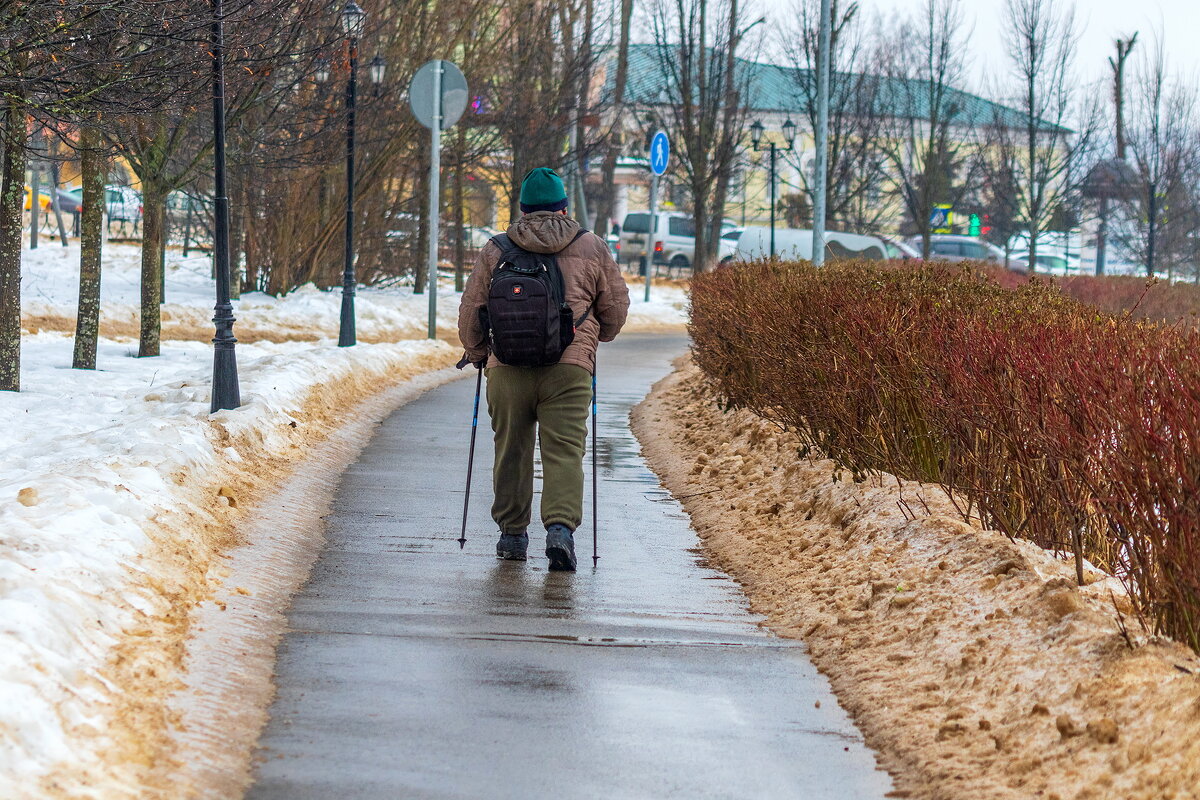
<point x="527" y="321"/>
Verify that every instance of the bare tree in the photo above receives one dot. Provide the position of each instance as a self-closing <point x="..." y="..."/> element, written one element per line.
<point x="540" y="64"/>
<point x="924" y="151"/>
<point x="1041" y="37"/>
<point x="1164" y="140"/>
<point x="857" y="162"/>
<point x="704" y="102"/>
<point x="614" y="136"/>
<point x="1124" y="48"/>
<point x="57" y="65"/>
<point x="996" y="164"/>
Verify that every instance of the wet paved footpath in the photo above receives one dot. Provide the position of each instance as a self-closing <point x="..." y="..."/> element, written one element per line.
<point x="414" y="670"/>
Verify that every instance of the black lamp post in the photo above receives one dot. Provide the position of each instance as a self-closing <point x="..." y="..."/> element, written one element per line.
<point x="225" y="390"/>
<point x="789" y="136"/>
<point x="353" y="18"/>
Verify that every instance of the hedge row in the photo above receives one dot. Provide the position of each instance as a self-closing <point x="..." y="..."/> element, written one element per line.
<point x="1137" y="297"/>
<point x="1040" y="416"/>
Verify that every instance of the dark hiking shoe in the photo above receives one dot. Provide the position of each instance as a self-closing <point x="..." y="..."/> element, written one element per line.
<point x="560" y="547"/>
<point x="512" y="546"/>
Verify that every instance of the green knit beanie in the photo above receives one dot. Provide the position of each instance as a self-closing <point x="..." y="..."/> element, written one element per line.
<point x="542" y="190"/>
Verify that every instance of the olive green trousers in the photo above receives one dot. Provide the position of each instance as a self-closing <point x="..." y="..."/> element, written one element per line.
<point x="551" y="402"/>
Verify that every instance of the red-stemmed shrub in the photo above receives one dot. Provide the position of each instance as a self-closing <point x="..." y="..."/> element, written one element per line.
<point x="1042" y="417"/>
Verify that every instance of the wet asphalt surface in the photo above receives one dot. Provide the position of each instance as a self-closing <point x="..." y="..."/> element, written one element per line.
<point x="414" y="670"/>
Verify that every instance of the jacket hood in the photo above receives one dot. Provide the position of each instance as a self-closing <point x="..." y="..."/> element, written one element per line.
<point x="543" y="231"/>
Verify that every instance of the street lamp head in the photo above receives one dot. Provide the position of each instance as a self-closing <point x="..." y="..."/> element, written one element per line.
<point x="321" y="70"/>
<point x="353" y="19"/>
<point x="756" y="132"/>
<point x="378" y="69"/>
<point x="789" y="133"/>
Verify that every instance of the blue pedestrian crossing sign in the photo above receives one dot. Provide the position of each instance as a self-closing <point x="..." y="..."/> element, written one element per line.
<point x="941" y="218"/>
<point x="660" y="153"/>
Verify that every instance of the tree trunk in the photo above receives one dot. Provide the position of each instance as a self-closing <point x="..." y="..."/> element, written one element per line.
<point x="421" y="271"/>
<point x="55" y="206"/>
<point x="237" y="232"/>
<point x="12" y="202"/>
<point x="91" y="242"/>
<point x="700" y="224"/>
<point x="460" y="248"/>
<point x="608" y="190"/>
<point x="153" y="211"/>
<point x="250" y="247"/>
<point x="1152" y="230"/>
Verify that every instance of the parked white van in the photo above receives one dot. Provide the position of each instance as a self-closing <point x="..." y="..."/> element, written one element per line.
<point x="795" y="244"/>
<point x="674" y="241"/>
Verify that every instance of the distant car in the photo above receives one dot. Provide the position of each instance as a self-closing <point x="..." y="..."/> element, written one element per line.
<point x="1052" y="262"/>
<point x="796" y="244"/>
<point x="123" y="204"/>
<point x="949" y="247"/>
<point x="70" y="201"/>
<point x="402" y="227"/>
<point x="475" y="237"/>
<point x="614" y="246"/>
<point x="898" y="250"/>
<point x="674" y="241"/>
<point x="733" y="235"/>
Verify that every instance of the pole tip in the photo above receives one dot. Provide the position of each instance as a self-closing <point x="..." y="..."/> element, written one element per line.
<point x="594" y="560"/>
<point x="462" y="543"/>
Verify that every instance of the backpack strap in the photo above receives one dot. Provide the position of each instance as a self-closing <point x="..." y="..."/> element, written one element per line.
<point x="507" y="246"/>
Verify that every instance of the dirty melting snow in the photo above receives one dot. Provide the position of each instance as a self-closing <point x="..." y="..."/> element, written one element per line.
<point x="91" y="466"/>
<point x="974" y="665"/>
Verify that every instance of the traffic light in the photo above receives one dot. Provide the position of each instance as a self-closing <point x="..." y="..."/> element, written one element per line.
<point x="975" y="226"/>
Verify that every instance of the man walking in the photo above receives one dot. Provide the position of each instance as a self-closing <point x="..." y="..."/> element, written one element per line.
<point x="551" y="401"/>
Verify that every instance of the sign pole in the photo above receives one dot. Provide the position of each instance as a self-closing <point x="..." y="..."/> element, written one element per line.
<point x="435" y="192"/>
<point x="653" y="229"/>
<point x="660" y="154"/>
<point x="437" y="96"/>
<point x="820" y="136"/>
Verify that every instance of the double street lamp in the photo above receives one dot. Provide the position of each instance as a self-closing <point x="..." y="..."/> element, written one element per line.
<point x="789" y="136"/>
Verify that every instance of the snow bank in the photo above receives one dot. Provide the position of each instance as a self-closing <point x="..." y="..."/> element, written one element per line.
<point x="107" y="484"/>
<point x="666" y="311"/>
<point x="50" y="289"/>
<point x="973" y="664"/>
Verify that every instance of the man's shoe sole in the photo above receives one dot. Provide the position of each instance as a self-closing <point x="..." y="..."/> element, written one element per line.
<point x="560" y="558"/>
<point x="509" y="555"/>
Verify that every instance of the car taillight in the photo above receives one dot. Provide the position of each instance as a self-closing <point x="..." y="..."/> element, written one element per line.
<point x="658" y="248"/>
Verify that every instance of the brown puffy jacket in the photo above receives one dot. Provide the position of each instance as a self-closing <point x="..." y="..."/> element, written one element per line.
<point x="591" y="278"/>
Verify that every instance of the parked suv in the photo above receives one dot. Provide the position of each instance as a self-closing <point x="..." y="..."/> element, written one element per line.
<point x="947" y="247"/>
<point x="674" y="242"/>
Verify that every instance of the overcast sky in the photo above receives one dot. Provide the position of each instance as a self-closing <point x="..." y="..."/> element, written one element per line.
<point x="1100" y="21"/>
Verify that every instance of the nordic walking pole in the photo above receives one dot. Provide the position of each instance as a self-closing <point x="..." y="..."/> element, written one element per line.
<point x="462" y="539"/>
<point x="595" y="506"/>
